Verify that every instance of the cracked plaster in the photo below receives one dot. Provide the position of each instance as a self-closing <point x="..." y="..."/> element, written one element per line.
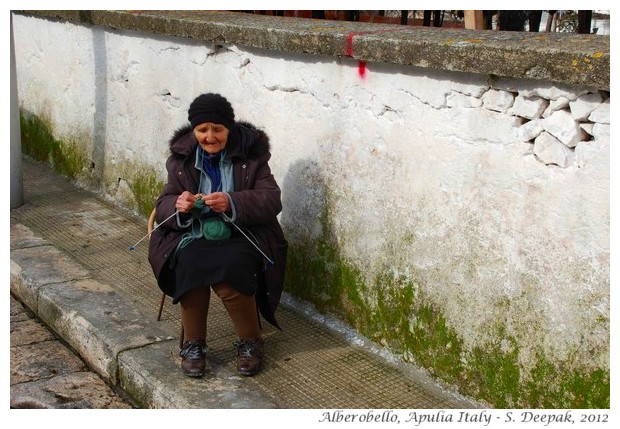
<point x="410" y="179"/>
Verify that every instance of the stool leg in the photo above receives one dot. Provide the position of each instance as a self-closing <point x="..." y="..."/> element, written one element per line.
<point x="161" y="306"/>
<point x="260" y="324"/>
<point x="182" y="336"/>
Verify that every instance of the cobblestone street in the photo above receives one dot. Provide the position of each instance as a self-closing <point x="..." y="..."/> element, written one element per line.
<point x="45" y="373"/>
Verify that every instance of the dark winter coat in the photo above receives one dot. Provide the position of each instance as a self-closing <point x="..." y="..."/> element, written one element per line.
<point x="257" y="201"/>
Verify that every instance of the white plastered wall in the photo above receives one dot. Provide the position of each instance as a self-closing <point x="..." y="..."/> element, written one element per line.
<point x="426" y="172"/>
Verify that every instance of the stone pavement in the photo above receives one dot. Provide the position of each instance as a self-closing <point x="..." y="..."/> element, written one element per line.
<point x="45" y="373"/>
<point x="71" y="265"/>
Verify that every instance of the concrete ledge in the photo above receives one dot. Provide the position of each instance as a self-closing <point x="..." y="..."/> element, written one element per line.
<point x="144" y="373"/>
<point x="98" y="323"/>
<point x="33" y="269"/>
<point x="113" y="336"/>
<point x="90" y="316"/>
<point x="559" y="57"/>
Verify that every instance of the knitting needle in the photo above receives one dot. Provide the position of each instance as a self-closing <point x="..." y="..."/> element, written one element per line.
<point x="229" y="220"/>
<point x="158" y="225"/>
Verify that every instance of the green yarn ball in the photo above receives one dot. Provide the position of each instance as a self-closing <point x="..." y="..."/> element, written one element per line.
<point x="199" y="204"/>
<point x="214" y="228"/>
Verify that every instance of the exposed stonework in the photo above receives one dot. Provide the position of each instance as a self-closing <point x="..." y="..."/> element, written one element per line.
<point x="552" y="151"/>
<point x="571" y="123"/>
<point x="499" y="101"/>
<point x="601" y="113"/>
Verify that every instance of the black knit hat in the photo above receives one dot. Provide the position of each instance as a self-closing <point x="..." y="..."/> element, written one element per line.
<point x="211" y="108"/>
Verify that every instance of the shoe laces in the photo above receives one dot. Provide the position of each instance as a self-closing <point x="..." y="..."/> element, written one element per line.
<point x="245" y="348"/>
<point x="193" y="349"/>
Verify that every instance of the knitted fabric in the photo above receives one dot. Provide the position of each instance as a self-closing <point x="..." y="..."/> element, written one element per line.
<point x="211" y="108"/>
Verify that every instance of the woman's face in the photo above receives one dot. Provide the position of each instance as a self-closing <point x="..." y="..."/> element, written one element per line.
<point x="211" y="137"/>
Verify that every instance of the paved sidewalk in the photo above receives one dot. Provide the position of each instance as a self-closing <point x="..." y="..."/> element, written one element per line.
<point x="71" y="265"/>
<point x="45" y="373"/>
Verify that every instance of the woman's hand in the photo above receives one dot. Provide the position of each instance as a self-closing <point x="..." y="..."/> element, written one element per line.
<point x="218" y="201"/>
<point x="185" y="202"/>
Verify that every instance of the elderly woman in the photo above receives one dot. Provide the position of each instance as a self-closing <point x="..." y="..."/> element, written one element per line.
<point x="225" y="235"/>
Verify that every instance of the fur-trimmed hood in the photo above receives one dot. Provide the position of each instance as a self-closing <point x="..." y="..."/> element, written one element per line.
<point x="244" y="141"/>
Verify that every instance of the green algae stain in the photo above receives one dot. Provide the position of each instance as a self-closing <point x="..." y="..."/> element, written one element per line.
<point x="393" y="311"/>
<point x="67" y="158"/>
<point x="143" y="182"/>
<point x="566" y="388"/>
<point x="494" y="375"/>
<point x="70" y="159"/>
<point x="434" y="345"/>
<point x="146" y="188"/>
<point x="317" y="279"/>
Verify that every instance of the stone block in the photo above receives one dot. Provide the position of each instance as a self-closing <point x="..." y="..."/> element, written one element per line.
<point x="42" y="360"/>
<point x="585" y="153"/>
<point x="550" y="150"/>
<point x="151" y="365"/>
<point x="555" y="92"/>
<point x="498" y="101"/>
<point x="29" y="331"/>
<point x="35" y="268"/>
<point x="563" y="127"/>
<point x="457" y="99"/>
<point x="584" y="105"/>
<point x="470" y="84"/>
<point x="532" y="88"/>
<point x="555" y="105"/>
<point x="600" y="132"/>
<point x="530" y="130"/>
<point x="76" y="390"/>
<point x="479" y="125"/>
<point x="601" y="113"/>
<point x="18" y="311"/>
<point x="98" y="322"/>
<point x="529" y="107"/>
<point x="587" y="127"/>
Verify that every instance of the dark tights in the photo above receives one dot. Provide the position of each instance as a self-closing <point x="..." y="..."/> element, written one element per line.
<point x="240" y="307"/>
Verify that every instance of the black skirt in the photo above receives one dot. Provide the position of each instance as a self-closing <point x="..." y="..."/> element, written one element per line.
<point x="204" y="263"/>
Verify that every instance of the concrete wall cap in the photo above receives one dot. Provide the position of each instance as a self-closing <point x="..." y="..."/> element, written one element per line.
<point x="574" y="59"/>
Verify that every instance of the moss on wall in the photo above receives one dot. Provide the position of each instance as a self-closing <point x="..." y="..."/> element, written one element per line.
<point x="393" y="311"/>
<point x="66" y="157"/>
<point x="147" y="188"/>
<point x="143" y="182"/>
<point x="70" y="158"/>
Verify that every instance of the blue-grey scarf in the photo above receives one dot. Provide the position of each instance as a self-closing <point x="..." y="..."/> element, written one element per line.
<point x="206" y="223"/>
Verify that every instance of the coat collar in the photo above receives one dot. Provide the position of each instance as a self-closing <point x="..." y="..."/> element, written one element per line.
<point x="245" y="141"/>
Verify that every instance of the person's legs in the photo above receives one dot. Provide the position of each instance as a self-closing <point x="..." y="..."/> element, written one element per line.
<point x="194" y="310"/>
<point x="244" y="315"/>
<point x="242" y="310"/>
